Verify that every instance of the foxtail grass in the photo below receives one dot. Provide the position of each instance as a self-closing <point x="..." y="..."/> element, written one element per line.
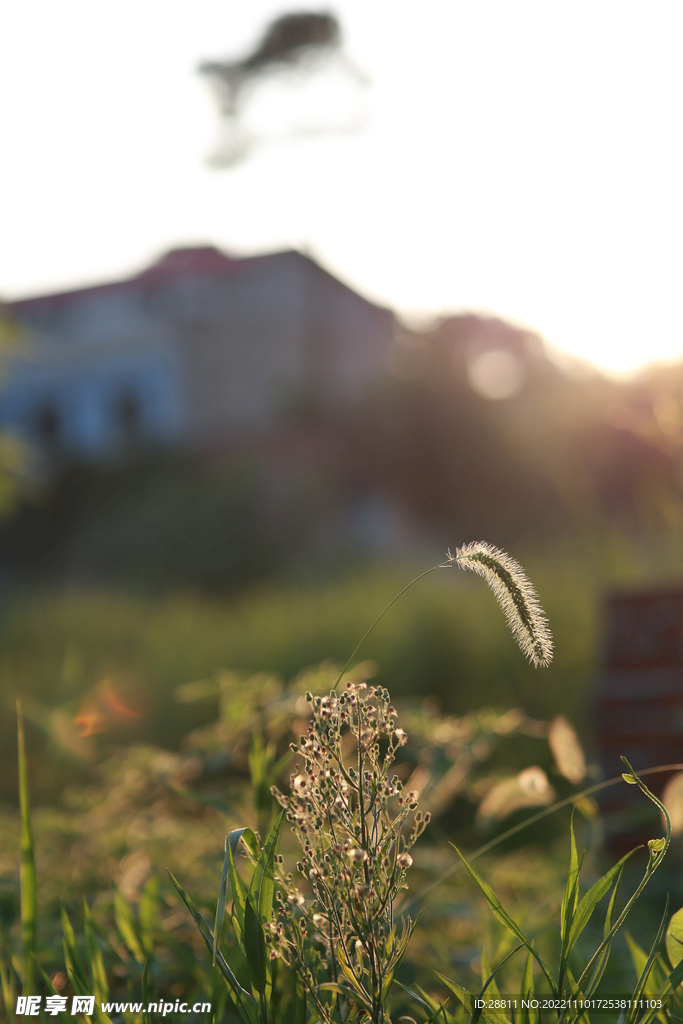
<point x="515" y="595"/>
<point x="511" y="588"/>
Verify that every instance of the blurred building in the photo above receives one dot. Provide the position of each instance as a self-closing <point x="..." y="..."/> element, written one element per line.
<point x="197" y="349"/>
<point x="638" y="704"/>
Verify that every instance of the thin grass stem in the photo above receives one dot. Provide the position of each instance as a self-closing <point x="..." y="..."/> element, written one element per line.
<point x="28" y="882"/>
<point x="455" y="867"/>
<point x="366" y="634"/>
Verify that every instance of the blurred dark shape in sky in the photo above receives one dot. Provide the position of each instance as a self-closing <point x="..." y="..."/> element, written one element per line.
<point x="289" y="39"/>
<point x="300" y="41"/>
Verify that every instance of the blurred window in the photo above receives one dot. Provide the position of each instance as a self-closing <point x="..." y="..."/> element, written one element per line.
<point x="128" y="415"/>
<point x="48" y="424"/>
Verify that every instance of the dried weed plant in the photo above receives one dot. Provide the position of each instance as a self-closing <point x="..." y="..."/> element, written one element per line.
<point x="356" y="828"/>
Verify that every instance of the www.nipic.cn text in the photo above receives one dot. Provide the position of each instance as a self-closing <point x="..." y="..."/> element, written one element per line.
<point x="30" y="1006"/>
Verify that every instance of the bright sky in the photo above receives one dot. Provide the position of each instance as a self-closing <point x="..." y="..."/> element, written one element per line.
<point x="523" y="159"/>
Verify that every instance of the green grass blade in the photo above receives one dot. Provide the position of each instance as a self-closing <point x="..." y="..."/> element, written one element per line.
<point x="147" y="913"/>
<point x="259" y="910"/>
<point x="72" y="958"/>
<point x="606" y="945"/>
<point x="98" y="975"/>
<point x="28" y="881"/>
<point x="666" y="989"/>
<point x="638" y="955"/>
<point x="298" y="1015"/>
<point x="62" y="1014"/>
<point x="245" y="1003"/>
<point x="571" y="890"/>
<point x="123" y="915"/>
<point x="399" y="950"/>
<point x="257" y="955"/>
<point x="465" y="997"/>
<point x="8" y="988"/>
<point x="488" y="980"/>
<point x="529" y="1013"/>
<point x="98" y="1014"/>
<point x="512" y="926"/>
<point x="239" y="890"/>
<point x="649" y="963"/>
<point x="262" y="888"/>
<point x="146" y="1019"/>
<point x="237" y="886"/>
<point x="528" y="976"/>
<point x="490" y="985"/>
<point x="437" y="1011"/>
<point x="587" y="905"/>
<point x="352" y="994"/>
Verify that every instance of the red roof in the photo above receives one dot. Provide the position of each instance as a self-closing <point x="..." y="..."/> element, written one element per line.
<point x="199" y="261"/>
<point x="192" y="261"/>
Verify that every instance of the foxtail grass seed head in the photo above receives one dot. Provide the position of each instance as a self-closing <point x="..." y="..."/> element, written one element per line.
<point x="514" y="594"/>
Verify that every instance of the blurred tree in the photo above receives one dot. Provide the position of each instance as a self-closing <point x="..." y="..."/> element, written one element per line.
<point x="13" y="454"/>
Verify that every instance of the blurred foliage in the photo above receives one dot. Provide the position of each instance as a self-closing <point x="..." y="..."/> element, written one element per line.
<point x="112" y="660"/>
<point x="14" y="454"/>
<point x="142" y="597"/>
<point x="147" y="809"/>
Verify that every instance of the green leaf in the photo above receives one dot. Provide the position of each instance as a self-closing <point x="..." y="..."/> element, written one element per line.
<point x="244" y="1002"/>
<point x="257" y="957"/>
<point x="72" y="957"/>
<point x="669" y="986"/>
<point x="348" y="993"/>
<point x="7" y="986"/>
<point x="570" y="897"/>
<point x="146" y="1019"/>
<point x="147" y="913"/>
<point x="398" y="951"/>
<point x="465" y="997"/>
<point x="386" y="985"/>
<point x="347" y="968"/>
<point x="62" y="1014"/>
<point x="299" y="999"/>
<point x="259" y="910"/>
<point x="604" y="952"/>
<point x="467" y="1000"/>
<point x="587" y="905"/>
<point x="74" y="968"/>
<point x="496" y="906"/>
<point x="239" y="891"/>
<point x="528" y="976"/>
<point x="490" y="986"/>
<point x="123" y="915"/>
<point x="529" y="1013"/>
<point x="674" y="938"/>
<point x="262" y="888"/>
<point x="438" y="1013"/>
<point x="488" y="980"/>
<point x="647" y="967"/>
